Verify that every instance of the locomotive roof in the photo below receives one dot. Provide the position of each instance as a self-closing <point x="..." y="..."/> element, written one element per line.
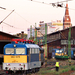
<point x="22" y="45"/>
<point x="32" y="46"/>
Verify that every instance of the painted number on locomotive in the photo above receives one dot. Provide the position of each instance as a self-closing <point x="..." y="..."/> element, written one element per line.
<point x="15" y="56"/>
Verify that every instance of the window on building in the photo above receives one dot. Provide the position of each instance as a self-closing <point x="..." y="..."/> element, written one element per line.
<point x="50" y="49"/>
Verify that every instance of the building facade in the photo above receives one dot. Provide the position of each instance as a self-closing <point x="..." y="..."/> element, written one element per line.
<point x="66" y="19"/>
<point x="60" y="39"/>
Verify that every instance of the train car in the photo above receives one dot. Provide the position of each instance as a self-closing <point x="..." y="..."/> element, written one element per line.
<point x="53" y="52"/>
<point x="73" y="53"/>
<point x="60" y="54"/>
<point x="41" y="56"/>
<point x="56" y="52"/>
<point x="21" y="55"/>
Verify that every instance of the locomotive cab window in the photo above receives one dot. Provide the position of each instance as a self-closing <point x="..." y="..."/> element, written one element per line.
<point x="20" y="50"/>
<point x="34" y="50"/>
<point x="9" y="50"/>
<point x="38" y="50"/>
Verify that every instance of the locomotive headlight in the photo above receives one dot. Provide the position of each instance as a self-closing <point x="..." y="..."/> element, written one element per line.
<point x="14" y="45"/>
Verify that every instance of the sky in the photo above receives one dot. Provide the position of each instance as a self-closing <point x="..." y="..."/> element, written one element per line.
<point x="27" y="13"/>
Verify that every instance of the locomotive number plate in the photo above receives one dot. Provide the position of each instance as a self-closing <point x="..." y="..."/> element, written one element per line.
<point x="15" y="56"/>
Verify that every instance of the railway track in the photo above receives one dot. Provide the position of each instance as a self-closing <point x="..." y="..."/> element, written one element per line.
<point x="4" y="73"/>
<point x="50" y="66"/>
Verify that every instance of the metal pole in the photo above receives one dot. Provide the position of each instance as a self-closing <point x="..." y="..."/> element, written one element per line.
<point x="69" y="42"/>
<point x="45" y="44"/>
<point x="35" y="34"/>
<point x="31" y="32"/>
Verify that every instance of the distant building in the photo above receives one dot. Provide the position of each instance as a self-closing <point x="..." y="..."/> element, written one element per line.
<point x="55" y="26"/>
<point x="29" y="33"/>
<point x="52" y="26"/>
<point x="41" y="31"/>
<point x="66" y="19"/>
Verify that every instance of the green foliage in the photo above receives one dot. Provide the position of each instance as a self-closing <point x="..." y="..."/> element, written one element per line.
<point x="64" y="66"/>
<point x="73" y="68"/>
<point x="65" y="70"/>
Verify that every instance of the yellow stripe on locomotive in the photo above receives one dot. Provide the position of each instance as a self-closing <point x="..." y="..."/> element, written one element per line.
<point x="59" y="54"/>
<point x="15" y="59"/>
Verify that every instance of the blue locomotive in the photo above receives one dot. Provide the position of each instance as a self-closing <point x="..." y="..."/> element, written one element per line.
<point x="22" y="55"/>
<point x="62" y="53"/>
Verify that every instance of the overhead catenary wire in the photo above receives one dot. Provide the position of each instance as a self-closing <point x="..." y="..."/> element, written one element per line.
<point x="12" y="26"/>
<point x="23" y="18"/>
<point x="6" y="16"/>
<point x="28" y="22"/>
<point x="2" y="8"/>
<point x="54" y="4"/>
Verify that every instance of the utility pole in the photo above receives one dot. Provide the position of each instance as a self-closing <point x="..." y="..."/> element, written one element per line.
<point x="31" y="32"/>
<point x="45" y="44"/>
<point x="69" y="42"/>
<point x="35" y="35"/>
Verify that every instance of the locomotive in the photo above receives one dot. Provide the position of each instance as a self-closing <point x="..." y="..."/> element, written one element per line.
<point x="22" y="55"/>
<point x="62" y="54"/>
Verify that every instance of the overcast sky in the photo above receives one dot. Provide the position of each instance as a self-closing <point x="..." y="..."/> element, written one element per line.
<point x="28" y="13"/>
